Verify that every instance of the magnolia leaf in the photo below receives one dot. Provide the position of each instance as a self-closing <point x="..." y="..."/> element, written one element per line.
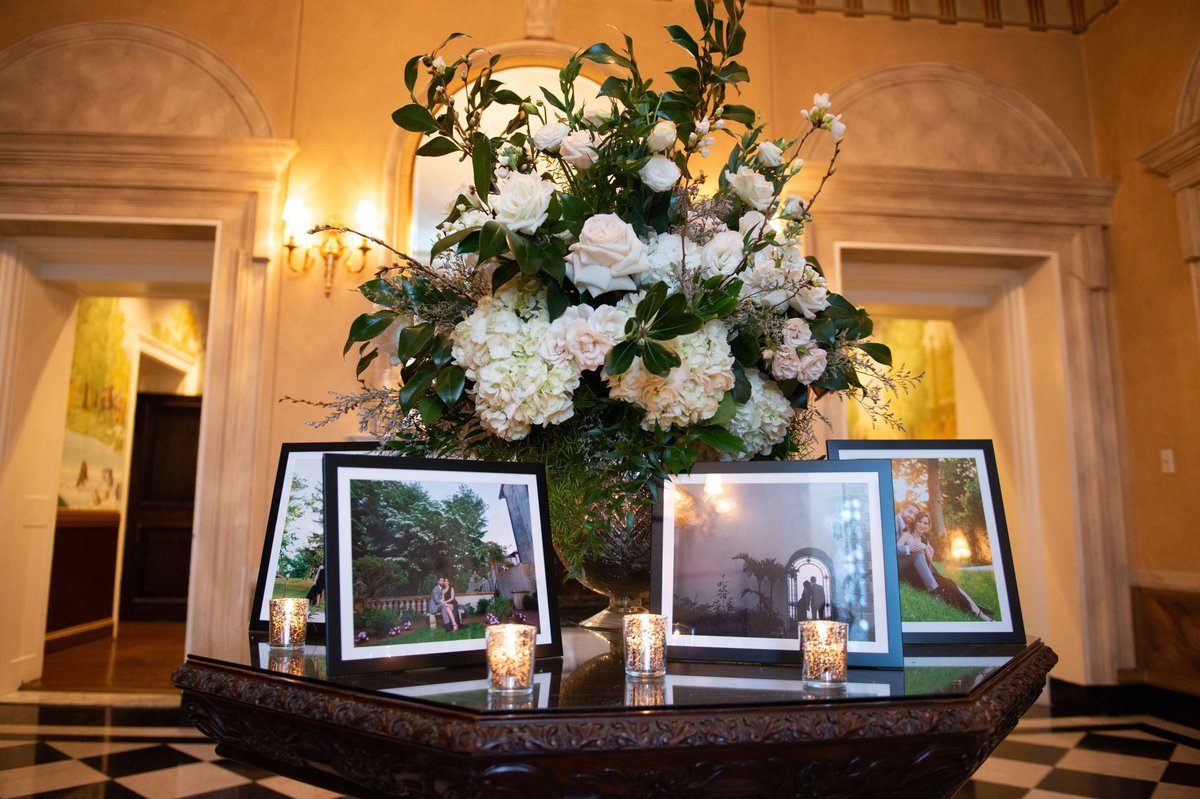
<point x="745" y="349"/>
<point x="414" y="388"/>
<point x="557" y="301"/>
<point x="439" y="146"/>
<point x="503" y="273"/>
<point x="880" y="353"/>
<point x="733" y="72"/>
<point x="446" y="242"/>
<point x="410" y="72"/>
<point x="483" y="162"/>
<point x="656" y="295"/>
<point x="603" y="54"/>
<point x="508" y="97"/>
<point x="365" y="361"/>
<point x="441" y="348"/>
<point x="719" y="438"/>
<point x="667" y="327"/>
<point x="381" y="292"/>
<point x="620" y="358"/>
<point x="451" y="381"/>
<point x="659" y="360"/>
<point x="367" y="326"/>
<point x="413" y="341"/>
<point x="741" y="384"/>
<point x="415" y="118"/>
<point x="492" y="240"/>
<point x="681" y="37"/>
<point x="738" y="113"/>
<point x="726" y="410"/>
<point x="431" y="410"/>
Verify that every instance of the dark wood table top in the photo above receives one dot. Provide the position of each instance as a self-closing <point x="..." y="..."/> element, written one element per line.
<point x="704" y="729"/>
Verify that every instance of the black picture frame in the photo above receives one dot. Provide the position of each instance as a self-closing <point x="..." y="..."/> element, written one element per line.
<point x="790" y="513"/>
<point x="1004" y="623"/>
<point x="381" y="508"/>
<point x="301" y="461"/>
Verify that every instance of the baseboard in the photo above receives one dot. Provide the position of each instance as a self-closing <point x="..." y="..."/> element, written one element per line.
<point x="1071" y="699"/>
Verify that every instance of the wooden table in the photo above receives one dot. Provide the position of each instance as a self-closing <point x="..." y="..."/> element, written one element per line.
<point x="705" y="730"/>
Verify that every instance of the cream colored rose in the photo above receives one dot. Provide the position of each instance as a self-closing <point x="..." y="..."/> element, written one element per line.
<point x="522" y="202"/>
<point x="550" y="136"/>
<point x="785" y="365"/>
<point x="722" y="255"/>
<point x="752" y="222"/>
<point x="607" y="254"/>
<point x="662" y="136"/>
<point x="579" y="149"/>
<point x="659" y="173"/>
<point x="796" y="333"/>
<point x="812" y="366"/>
<point x="794" y="207"/>
<point x="769" y="154"/>
<point x="755" y="190"/>
<point x="584" y="335"/>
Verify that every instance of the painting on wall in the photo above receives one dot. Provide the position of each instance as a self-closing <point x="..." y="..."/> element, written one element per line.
<point x="925" y="347"/>
<point x="102" y="390"/>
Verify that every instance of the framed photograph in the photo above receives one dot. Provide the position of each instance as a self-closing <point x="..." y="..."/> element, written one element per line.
<point x="293" y="555"/>
<point x="957" y="583"/>
<point x="745" y="551"/>
<point x="424" y="554"/>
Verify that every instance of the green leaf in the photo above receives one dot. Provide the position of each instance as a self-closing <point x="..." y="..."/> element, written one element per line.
<point x="431" y="410"/>
<point x="733" y="72"/>
<point x="451" y="381"/>
<point x="367" y="326"/>
<point x="678" y="324"/>
<point x="681" y="37"/>
<point x="737" y="41"/>
<point x="620" y="357"/>
<point x="739" y="113"/>
<point x="413" y="341"/>
<point x="381" y="292"/>
<point x="719" y="438"/>
<point x="483" y="162"/>
<point x="528" y="256"/>
<point x="616" y="88"/>
<point x="415" y="118"/>
<point x="416" y="386"/>
<point x="658" y="359"/>
<point x="554" y="101"/>
<point x="557" y="301"/>
<point x="492" y="240"/>
<point x="704" y="10"/>
<point x="508" y="97"/>
<point x="556" y="269"/>
<point x="440" y="350"/>
<point x="365" y="361"/>
<point x="503" y="273"/>
<point x="603" y="54"/>
<point x="745" y="349"/>
<point x="656" y="295"/>
<point x="687" y="79"/>
<point x="439" y="146"/>
<point x="446" y="242"/>
<point x="741" y="384"/>
<point x="880" y="353"/>
<point x="410" y="73"/>
<point x="726" y="410"/>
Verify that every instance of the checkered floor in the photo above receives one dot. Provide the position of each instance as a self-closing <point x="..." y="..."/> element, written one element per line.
<point x="125" y="753"/>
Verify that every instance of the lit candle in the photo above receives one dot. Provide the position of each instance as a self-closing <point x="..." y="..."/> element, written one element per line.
<point x="289" y="621"/>
<point x="287" y="663"/>
<point x="645" y="645"/>
<point x="510" y="657"/>
<point x="645" y="693"/>
<point x="823" y="650"/>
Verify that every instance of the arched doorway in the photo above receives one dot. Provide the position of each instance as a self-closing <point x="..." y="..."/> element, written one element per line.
<point x="807" y="566"/>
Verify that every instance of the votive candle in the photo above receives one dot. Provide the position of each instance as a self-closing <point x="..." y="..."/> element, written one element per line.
<point x="510" y="657"/>
<point x="645" y="693"/>
<point x="823" y="651"/>
<point x="645" y="645"/>
<point x="289" y="622"/>
<point x="286" y="662"/>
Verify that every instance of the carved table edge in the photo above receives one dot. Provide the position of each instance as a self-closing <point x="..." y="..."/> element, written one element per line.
<point x="990" y="711"/>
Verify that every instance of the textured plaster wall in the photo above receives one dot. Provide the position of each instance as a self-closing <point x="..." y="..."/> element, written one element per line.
<point x="1138" y="59"/>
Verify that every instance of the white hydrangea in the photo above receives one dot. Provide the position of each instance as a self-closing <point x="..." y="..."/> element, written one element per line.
<point x="516" y="386"/>
<point x="665" y="257"/>
<point x="762" y="421"/>
<point x="691" y="391"/>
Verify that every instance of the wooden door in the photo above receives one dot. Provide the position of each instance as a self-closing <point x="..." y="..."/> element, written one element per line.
<point x="162" y="491"/>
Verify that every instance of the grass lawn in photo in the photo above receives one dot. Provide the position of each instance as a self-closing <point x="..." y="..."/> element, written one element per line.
<point x="979" y="584"/>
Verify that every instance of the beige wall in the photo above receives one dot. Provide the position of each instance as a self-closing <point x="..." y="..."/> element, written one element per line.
<point x="328" y="75"/>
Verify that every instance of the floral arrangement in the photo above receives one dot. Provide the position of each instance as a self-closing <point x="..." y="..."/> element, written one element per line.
<point x="590" y="303"/>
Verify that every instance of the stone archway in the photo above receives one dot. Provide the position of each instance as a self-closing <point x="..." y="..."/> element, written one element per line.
<point x="139" y="151"/>
<point x="950" y="169"/>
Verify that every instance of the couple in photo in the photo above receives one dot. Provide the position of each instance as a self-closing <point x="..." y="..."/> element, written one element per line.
<point x="442" y="602"/>
<point x="915" y="559"/>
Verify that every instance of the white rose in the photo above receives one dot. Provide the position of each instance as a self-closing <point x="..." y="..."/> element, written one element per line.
<point x="579" y="149"/>
<point x="811" y="366"/>
<point x="796" y="333"/>
<point x="813" y="296"/>
<point x="722" y="255"/>
<point x="523" y="202"/>
<point x="755" y="190"/>
<point x="769" y="154"/>
<point x="607" y="254"/>
<point x="548" y="137"/>
<point x="662" y="136"/>
<point x="785" y="364"/>
<point x="751" y="223"/>
<point x="794" y="207"/>
<point x="584" y="335"/>
<point x="659" y="173"/>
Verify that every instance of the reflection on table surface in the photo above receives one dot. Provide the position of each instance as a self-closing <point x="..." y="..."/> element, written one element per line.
<point x="591" y="675"/>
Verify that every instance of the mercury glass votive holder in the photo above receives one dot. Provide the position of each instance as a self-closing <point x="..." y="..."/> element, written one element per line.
<point x="645" y="693"/>
<point x="645" y="645"/>
<point x="823" y="652"/>
<point x="289" y="622"/>
<point x="510" y="658"/>
<point x="286" y="662"/>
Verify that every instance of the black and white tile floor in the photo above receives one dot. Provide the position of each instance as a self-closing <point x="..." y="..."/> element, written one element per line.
<point x="64" y="752"/>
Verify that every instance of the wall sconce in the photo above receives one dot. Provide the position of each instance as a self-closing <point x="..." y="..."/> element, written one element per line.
<point x="332" y="246"/>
